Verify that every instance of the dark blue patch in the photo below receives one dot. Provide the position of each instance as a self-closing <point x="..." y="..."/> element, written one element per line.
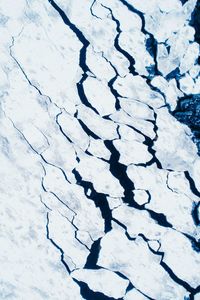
<point x="195" y="22"/>
<point x="188" y="112"/>
<point x="88" y="294"/>
<point x="92" y="258"/>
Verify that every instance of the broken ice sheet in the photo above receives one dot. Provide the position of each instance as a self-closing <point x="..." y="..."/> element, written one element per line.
<point x="138" y="264"/>
<point x="104" y="281"/>
<point x="100" y="183"/>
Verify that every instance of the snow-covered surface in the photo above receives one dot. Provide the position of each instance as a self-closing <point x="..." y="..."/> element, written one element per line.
<point x="100" y="184"/>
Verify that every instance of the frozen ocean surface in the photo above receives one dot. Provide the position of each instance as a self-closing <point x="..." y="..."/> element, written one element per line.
<point x="99" y="150"/>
